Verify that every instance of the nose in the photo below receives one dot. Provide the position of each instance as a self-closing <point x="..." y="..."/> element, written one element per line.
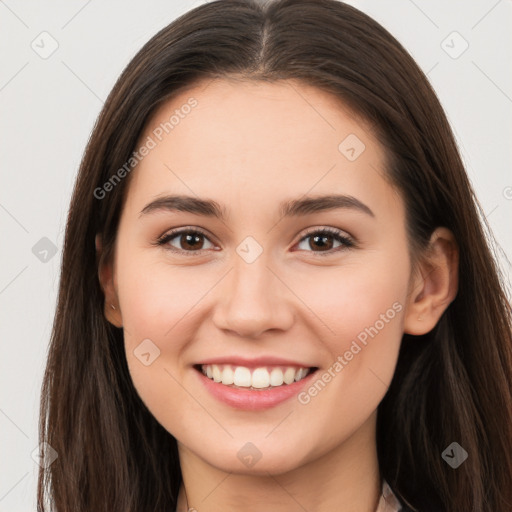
<point x="253" y="300"/>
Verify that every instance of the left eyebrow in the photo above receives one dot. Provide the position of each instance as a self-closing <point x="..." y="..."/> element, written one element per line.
<point x="308" y="205"/>
<point x="290" y="208"/>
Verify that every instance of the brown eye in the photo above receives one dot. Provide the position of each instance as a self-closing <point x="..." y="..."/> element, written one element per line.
<point x="185" y="240"/>
<point x="324" y="240"/>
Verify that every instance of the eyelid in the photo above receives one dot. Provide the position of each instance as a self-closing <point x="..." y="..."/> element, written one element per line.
<point x="327" y="229"/>
<point x="184" y="229"/>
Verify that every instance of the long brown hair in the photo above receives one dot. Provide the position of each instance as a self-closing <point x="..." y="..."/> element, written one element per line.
<point x="452" y="384"/>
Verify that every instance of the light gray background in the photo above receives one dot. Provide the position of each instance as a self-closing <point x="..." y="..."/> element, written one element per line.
<point x="48" y="110"/>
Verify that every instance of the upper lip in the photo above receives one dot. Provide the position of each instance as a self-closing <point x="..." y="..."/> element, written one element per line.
<point x="254" y="362"/>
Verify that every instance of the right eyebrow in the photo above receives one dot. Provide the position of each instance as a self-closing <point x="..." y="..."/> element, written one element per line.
<point x="204" y="207"/>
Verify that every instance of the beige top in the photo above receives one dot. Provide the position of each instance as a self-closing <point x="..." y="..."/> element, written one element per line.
<point x="388" y="501"/>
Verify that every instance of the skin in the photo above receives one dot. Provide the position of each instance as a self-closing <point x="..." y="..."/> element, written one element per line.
<point x="248" y="146"/>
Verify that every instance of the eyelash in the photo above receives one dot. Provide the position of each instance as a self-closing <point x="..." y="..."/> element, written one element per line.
<point x="336" y="233"/>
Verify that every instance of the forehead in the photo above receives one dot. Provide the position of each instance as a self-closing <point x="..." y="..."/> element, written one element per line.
<point x="258" y="116"/>
<point x="258" y="141"/>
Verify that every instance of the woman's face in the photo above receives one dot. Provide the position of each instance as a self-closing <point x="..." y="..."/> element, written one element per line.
<point x="262" y="287"/>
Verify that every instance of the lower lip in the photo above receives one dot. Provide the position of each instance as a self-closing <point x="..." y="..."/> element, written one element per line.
<point x="253" y="400"/>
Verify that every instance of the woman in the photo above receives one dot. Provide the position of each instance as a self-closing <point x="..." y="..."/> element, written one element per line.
<point x="204" y="355"/>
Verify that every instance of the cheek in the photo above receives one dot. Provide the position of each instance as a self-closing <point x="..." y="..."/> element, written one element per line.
<point x="157" y="299"/>
<point x="157" y="308"/>
<point x="156" y="304"/>
<point x="359" y="310"/>
<point x="351" y="298"/>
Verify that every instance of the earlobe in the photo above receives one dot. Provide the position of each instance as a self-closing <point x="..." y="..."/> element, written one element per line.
<point x="111" y="308"/>
<point x="435" y="284"/>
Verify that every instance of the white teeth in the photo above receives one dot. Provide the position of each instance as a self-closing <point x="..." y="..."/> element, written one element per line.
<point x="228" y="376"/>
<point x="242" y="377"/>
<point x="259" y="378"/>
<point x="276" y="377"/>
<point x="289" y="375"/>
<point x="301" y="373"/>
<point x="217" y="377"/>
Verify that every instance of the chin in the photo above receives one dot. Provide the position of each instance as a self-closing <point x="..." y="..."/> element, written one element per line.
<point x="247" y="458"/>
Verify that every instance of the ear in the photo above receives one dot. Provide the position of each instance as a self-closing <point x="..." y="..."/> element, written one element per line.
<point x="106" y="279"/>
<point x="434" y="285"/>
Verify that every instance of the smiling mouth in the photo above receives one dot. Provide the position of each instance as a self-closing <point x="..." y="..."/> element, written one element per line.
<point x="257" y="379"/>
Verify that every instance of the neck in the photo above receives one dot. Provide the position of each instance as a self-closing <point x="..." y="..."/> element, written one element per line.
<point x="346" y="478"/>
